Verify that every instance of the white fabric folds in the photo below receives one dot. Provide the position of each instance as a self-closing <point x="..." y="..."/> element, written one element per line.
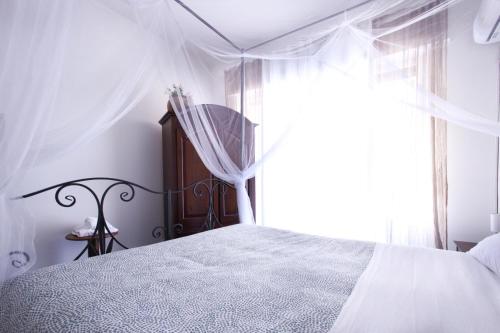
<point x="487" y="252"/>
<point x="412" y="290"/>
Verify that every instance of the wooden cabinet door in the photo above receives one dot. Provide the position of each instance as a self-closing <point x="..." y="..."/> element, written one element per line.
<point x="192" y="204"/>
<point x="227" y="205"/>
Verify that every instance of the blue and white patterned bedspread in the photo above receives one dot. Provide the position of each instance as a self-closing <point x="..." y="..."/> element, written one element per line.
<point x="241" y="278"/>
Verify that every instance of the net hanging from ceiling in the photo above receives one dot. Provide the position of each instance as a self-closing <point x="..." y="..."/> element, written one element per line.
<point x="345" y="79"/>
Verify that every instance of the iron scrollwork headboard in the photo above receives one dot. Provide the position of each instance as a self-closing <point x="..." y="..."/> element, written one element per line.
<point x="199" y="189"/>
<point x="102" y="232"/>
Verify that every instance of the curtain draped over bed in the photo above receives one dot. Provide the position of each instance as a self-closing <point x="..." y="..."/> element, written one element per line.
<point x="54" y="99"/>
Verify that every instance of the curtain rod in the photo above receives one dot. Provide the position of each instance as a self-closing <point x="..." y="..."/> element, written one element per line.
<point x="308" y="25"/>
<point x="192" y="12"/>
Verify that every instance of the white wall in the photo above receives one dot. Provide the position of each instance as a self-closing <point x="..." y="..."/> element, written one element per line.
<point x="472" y="84"/>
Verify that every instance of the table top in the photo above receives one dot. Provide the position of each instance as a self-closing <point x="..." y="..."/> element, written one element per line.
<point x="464" y="246"/>
<point x="72" y="237"/>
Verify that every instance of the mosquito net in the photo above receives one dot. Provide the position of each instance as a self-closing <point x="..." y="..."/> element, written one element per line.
<point x="338" y="113"/>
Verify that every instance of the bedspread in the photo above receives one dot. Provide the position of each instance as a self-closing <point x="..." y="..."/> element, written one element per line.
<point x="241" y="278"/>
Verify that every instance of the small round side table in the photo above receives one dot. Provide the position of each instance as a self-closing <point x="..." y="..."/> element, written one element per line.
<point x="92" y="244"/>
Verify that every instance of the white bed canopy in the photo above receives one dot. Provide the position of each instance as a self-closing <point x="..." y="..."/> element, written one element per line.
<point x="308" y="63"/>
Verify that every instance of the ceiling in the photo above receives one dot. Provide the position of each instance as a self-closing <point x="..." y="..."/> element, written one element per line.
<point x="245" y="22"/>
<point x="249" y="22"/>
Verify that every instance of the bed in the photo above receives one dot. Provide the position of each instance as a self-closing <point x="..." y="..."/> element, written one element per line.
<point x="247" y="278"/>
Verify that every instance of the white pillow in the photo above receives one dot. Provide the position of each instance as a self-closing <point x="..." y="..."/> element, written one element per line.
<point x="487" y="252"/>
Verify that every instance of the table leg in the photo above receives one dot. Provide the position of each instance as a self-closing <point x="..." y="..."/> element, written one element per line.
<point x="93" y="247"/>
<point x="81" y="253"/>
<point x="110" y="246"/>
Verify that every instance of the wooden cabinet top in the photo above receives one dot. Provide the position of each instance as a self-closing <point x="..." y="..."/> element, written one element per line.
<point x="222" y="113"/>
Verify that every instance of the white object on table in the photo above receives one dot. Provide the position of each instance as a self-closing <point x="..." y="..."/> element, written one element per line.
<point x="88" y="227"/>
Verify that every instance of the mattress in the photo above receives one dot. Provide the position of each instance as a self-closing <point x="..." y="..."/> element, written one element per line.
<point x="241" y="278"/>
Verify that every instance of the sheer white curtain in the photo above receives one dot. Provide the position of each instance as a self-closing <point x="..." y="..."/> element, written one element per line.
<point x="49" y="106"/>
<point x="420" y="50"/>
<point x="360" y="163"/>
<point x="354" y="166"/>
<point x="34" y="37"/>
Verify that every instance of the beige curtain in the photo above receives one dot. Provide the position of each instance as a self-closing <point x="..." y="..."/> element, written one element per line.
<point x="421" y="49"/>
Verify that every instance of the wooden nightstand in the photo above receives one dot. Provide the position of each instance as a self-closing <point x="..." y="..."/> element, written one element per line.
<point x="463" y="246"/>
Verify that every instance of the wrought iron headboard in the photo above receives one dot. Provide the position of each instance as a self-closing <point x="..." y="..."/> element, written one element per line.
<point x="198" y="188"/>
<point x="102" y="231"/>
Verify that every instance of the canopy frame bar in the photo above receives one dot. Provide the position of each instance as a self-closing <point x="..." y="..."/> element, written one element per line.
<point x="242" y="109"/>
<point x="211" y="27"/>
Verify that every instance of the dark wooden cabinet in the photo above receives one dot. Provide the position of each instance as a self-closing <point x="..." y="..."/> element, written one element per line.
<point x="186" y="211"/>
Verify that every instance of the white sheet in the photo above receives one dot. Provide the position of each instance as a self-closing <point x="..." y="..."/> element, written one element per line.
<point x="407" y="289"/>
